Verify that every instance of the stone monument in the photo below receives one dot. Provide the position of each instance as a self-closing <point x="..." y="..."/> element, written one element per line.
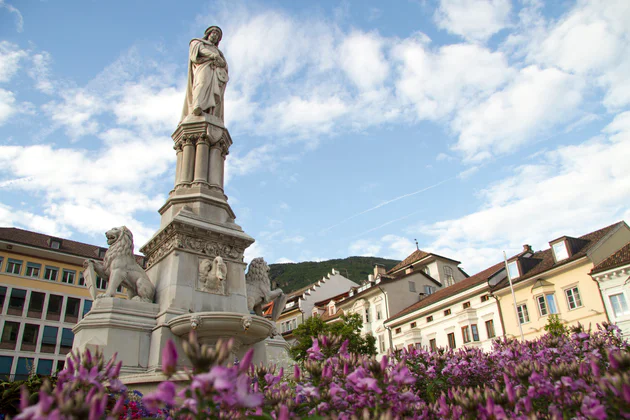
<point x="195" y="260"/>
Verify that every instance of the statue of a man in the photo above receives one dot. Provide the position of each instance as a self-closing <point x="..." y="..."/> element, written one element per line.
<point x="207" y="76"/>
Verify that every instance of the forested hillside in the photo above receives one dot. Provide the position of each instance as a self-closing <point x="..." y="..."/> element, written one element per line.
<point x="293" y="276"/>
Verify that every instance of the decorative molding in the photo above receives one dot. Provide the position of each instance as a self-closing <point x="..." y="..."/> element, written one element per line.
<point x="181" y="236"/>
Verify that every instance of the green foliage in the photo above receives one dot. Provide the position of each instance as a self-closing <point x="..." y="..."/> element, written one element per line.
<point x="349" y="328"/>
<point x="10" y="392"/>
<point x="294" y="276"/>
<point x="555" y="327"/>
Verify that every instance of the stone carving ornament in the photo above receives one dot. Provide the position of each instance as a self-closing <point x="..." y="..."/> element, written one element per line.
<point x="212" y="275"/>
<point x="207" y="76"/>
<point x="259" y="290"/>
<point x="120" y="268"/>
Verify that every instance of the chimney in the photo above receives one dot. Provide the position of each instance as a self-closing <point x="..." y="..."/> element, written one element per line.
<point x="422" y="295"/>
<point x="370" y="278"/>
<point x="527" y="248"/>
<point x="379" y="269"/>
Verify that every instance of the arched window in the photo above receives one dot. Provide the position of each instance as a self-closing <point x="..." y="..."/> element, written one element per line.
<point x="448" y="276"/>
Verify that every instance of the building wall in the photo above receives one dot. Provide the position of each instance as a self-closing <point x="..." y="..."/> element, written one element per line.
<point x="333" y="285"/>
<point x="575" y="274"/>
<point x="441" y="276"/>
<point x="417" y="329"/>
<point x="45" y="354"/>
<point x="615" y="283"/>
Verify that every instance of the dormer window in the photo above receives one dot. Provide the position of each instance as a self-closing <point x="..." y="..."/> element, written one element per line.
<point x="55" y="243"/>
<point x="560" y="251"/>
<point x="331" y="310"/>
<point x="513" y="269"/>
<point x="427" y="271"/>
<point x="101" y="253"/>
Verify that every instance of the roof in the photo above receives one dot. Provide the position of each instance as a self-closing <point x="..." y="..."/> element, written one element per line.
<point x="619" y="258"/>
<point x="325" y="301"/>
<point x="456" y="288"/>
<point x="40" y="240"/>
<point x="326" y="317"/>
<point x="417" y="255"/>
<point x="543" y="261"/>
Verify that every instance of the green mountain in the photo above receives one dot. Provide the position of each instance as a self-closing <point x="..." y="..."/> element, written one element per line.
<point x="293" y="276"/>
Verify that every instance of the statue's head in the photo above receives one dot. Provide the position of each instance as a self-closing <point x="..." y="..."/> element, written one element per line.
<point x="213" y="34"/>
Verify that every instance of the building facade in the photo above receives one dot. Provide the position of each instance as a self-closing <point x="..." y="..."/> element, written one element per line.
<point x="613" y="278"/>
<point x="557" y="281"/>
<point x="42" y="297"/>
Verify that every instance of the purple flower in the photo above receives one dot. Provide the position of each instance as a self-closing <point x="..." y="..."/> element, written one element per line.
<point x="164" y="394"/>
<point x="244" y="397"/>
<point x="169" y="358"/>
<point x="246" y="362"/>
<point x="315" y="353"/>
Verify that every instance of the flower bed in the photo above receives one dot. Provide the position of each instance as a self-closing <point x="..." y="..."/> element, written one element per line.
<point x="576" y="375"/>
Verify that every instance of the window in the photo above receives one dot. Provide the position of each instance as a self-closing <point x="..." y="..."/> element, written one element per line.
<point x="55" y="243"/>
<point x="36" y="305"/>
<point x="29" y="338"/>
<point x="429" y="290"/>
<point x="68" y="276"/>
<point x="447" y="312"/>
<point x="54" y="308"/>
<point x="433" y="344"/>
<point x="100" y="283"/>
<point x="3" y="295"/>
<point x="9" y="335"/>
<point x="367" y="315"/>
<point x="50" y="273"/>
<point x="398" y="330"/>
<point x="24" y="366"/>
<point x="448" y="276"/>
<point x="381" y="343"/>
<point x="513" y="270"/>
<point x="1" y="260"/>
<point x="490" y="328"/>
<point x="49" y="339"/>
<point x="32" y="269"/>
<point x="466" y="305"/>
<point x="44" y="367"/>
<point x="560" y="251"/>
<point x="294" y="323"/>
<point x="523" y="314"/>
<point x="101" y="253"/>
<point x="14" y="266"/>
<point x="412" y="286"/>
<point x="16" y="302"/>
<point x="485" y="298"/>
<point x="72" y="310"/>
<point x="379" y="312"/>
<point x="466" y="334"/>
<point x="451" y="340"/>
<point x="67" y="338"/>
<point x="331" y="310"/>
<point x="547" y="304"/>
<point x="475" y="332"/>
<point x="87" y="305"/>
<point x="6" y="362"/>
<point x="619" y="304"/>
<point x="573" y="297"/>
<point x="430" y="318"/>
<point x="81" y="279"/>
<point x="413" y="325"/>
<point x="60" y="365"/>
<point x="427" y="271"/>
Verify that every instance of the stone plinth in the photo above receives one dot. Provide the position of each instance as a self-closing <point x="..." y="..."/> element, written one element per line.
<point x="119" y="325"/>
<point x="273" y="350"/>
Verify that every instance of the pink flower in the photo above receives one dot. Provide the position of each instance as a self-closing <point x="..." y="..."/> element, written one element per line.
<point x="246" y="361"/>
<point x="169" y="358"/>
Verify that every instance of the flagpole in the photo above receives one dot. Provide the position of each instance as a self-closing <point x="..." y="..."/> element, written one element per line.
<point x="518" y="321"/>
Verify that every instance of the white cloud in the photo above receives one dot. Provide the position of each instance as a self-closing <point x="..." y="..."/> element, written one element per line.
<point x="364" y="247"/>
<point x="362" y="58"/>
<point x="149" y="104"/>
<point x="255" y="250"/>
<point x="398" y="247"/>
<point x="535" y="102"/>
<point x="475" y="20"/>
<point x="7" y="105"/>
<point x="19" y="20"/>
<point x="437" y="82"/>
<point x="40" y="72"/>
<point x="10" y="57"/>
<point x="284" y="260"/>
<point x="571" y="190"/>
<point x="76" y="112"/>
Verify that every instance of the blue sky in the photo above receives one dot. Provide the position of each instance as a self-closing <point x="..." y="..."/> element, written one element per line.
<point x="473" y="126"/>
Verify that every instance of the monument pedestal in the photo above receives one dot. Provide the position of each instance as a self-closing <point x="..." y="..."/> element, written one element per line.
<point x="120" y="326"/>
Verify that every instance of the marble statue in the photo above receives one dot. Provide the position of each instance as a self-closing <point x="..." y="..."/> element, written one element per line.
<point x="207" y="76"/>
<point x="212" y="275"/>
<point x="120" y="268"/>
<point x="259" y="289"/>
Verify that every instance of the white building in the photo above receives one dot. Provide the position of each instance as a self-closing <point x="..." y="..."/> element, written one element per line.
<point x="613" y="277"/>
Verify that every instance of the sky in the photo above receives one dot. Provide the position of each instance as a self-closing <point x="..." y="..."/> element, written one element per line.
<point x="471" y="126"/>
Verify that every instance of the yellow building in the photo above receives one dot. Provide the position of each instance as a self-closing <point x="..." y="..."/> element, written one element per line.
<point x="557" y="281"/>
<point x="42" y="296"/>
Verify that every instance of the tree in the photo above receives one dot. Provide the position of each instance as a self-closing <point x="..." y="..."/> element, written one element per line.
<point x="349" y="328"/>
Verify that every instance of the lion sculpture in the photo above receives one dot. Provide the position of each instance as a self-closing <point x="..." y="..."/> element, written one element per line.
<point x="120" y="268"/>
<point x="259" y="289"/>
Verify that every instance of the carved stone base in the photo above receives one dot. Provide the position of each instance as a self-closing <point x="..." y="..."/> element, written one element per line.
<point x="273" y="350"/>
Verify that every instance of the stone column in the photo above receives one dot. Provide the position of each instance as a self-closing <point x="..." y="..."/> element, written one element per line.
<point x="178" y="168"/>
<point x="201" y="160"/>
<point x="216" y="165"/>
<point x="188" y="161"/>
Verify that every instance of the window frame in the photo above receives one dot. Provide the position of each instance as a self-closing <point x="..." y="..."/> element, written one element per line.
<point x="32" y="266"/>
<point x="68" y="272"/>
<point x="452" y="344"/>
<point x="449" y="278"/>
<point x="564" y="248"/>
<point x="523" y="313"/>
<point x="466" y="305"/>
<point x="52" y="269"/>
<point x="625" y="303"/>
<point x="466" y="334"/>
<point x="574" y="290"/>
<point x="514" y="264"/>
<point x="447" y="312"/>
<point x="12" y="263"/>
<point x="474" y="332"/>
<point x="412" y="286"/>
<point x="490" y="327"/>
<point x="545" y="303"/>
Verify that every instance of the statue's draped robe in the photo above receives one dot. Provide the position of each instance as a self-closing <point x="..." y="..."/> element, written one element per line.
<point x="207" y="79"/>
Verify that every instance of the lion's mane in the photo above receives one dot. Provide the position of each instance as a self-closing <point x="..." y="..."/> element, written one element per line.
<point x="122" y="247"/>
<point x="258" y="273"/>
